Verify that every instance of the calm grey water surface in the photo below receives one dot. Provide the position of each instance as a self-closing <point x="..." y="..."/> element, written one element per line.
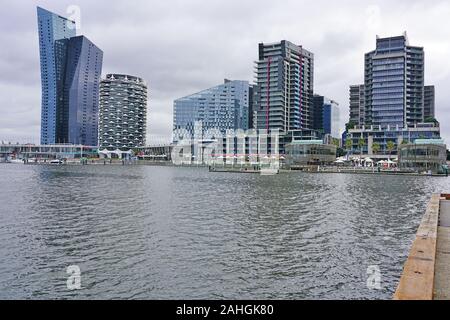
<point x="140" y="232"/>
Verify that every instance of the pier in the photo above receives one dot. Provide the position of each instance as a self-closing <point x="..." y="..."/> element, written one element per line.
<point x="426" y="273"/>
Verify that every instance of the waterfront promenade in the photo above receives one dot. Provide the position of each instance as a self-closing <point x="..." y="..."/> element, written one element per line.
<point x="426" y="273"/>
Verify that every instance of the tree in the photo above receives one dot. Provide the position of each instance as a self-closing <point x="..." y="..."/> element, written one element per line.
<point x="361" y="144"/>
<point x="431" y="120"/>
<point x="335" y="142"/>
<point x="390" y="146"/>
<point x="350" y="125"/>
<point x="404" y="141"/>
<point x="376" y="147"/>
<point x="348" y="144"/>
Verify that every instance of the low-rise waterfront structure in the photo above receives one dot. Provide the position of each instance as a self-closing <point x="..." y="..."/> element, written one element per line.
<point x="309" y="152"/>
<point x="48" y="151"/>
<point x="381" y="136"/>
<point x="423" y="155"/>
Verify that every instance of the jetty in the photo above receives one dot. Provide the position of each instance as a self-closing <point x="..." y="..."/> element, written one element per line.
<point x="426" y="273"/>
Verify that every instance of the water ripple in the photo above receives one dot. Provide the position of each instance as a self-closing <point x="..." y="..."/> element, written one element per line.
<point x="142" y="232"/>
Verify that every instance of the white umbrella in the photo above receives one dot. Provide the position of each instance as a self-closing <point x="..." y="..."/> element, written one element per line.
<point x="368" y="159"/>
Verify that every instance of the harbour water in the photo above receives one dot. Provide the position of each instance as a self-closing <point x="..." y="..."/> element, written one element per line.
<point x="143" y="232"/>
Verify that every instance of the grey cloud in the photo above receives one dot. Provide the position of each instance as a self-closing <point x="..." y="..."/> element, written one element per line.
<point x="180" y="47"/>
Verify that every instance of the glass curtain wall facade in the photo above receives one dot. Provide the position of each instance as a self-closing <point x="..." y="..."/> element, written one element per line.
<point x="284" y="87"/>
<point x="79" y="67"/>
<point x="222" y="107"/>
<point x="123" y="112"/>
<point x="51" y="27"/>
<point x="394" y="83"/>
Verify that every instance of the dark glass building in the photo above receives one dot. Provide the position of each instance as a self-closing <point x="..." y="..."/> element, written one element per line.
<point x="77" y="108"/>
<point x="326" y="116"/>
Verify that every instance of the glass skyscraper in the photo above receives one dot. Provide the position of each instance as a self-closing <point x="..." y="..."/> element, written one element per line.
<point x="70" y="71"/>
<point x="51" y="27"/>
<point x="394" y="83"/>
<point x="77" y="107"/>
<point x="222" y="107"/>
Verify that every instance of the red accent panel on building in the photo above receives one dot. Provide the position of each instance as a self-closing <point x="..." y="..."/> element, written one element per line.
<point x="268" y="94"/>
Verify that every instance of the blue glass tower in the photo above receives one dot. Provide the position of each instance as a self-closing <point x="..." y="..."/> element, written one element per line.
<point x="223" y="107"/>
<point x="51" y="27"/>
<point x="71" y="69"/>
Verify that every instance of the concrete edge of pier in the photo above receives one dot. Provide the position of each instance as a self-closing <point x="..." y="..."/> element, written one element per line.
<point x="426" y="272"/>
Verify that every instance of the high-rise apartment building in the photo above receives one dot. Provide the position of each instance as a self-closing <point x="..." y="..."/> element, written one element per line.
<point x="51" y="27"/>
<point x="284" y="87"/>
<point x="394" y="83"/>
<point x="357" y="113"/>
<point x="123" y="112"/>
<point x="70" y="73"/>
<point x="396" y="102"/>
<point x="428" y="110"/>
<point x="326" y="116"/>
<point x="222" y="107"/>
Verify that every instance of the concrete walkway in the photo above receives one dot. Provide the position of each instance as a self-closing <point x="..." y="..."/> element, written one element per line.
<point x="426" y="274"/>
<point x="442" y="266"/>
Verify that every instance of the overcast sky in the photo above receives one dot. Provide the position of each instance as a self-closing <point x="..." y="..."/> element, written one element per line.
<point x="183" y="46"/>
